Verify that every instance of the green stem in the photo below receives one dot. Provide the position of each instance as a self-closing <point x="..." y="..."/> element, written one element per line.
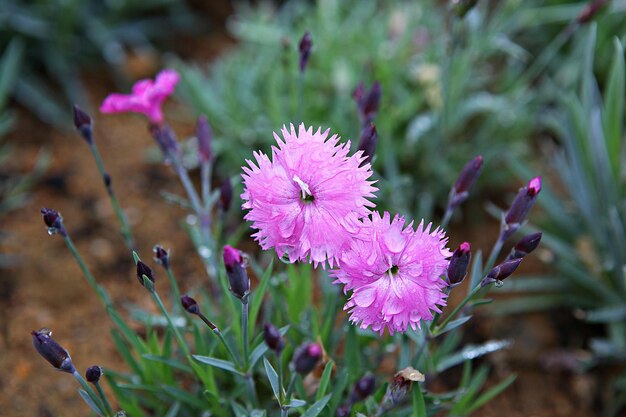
<point x="104" y="398"/>
<point x="495" y="251"/>
<point x="232" y="355"/>
<point x="252" y="390"/>
<point x="244" y="329"/>
<point x="119" y="212"/>
<point x="281" y="392"/>
<point x="94" y="397"/>
<point x="100" y="292"/>
<point x="179" y="337"/>
<point x="205" y="177"/>
<point x="292" y="383"/>
<point x="456" y="310"/>
<point x="175" y="289"/>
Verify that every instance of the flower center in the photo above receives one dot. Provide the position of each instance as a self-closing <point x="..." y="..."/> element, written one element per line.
<point x="393" y="270"/>
<point x="304" y="189"/>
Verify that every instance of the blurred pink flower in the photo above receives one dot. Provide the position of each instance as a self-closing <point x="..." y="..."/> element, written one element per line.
<point x="147" y="97"/>
<point x="307" y="201"/>
<point x="394" y="273"/>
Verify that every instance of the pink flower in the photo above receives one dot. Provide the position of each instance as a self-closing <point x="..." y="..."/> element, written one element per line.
<point x="306" y="202"/>
<point x="394" y="273"/>
<point x="147" y="97"/>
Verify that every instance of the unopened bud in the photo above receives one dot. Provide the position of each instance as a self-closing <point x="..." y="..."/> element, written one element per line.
<point x="54" y="221"/>
<point x="93" y="374"/>
<point x="465" y="182"/>
<point x="226" y="195"/>
<point x="368" y="102"/>
<point x="189" y="304"/>
<point x="166" y="139"/>
<point x="236" y="271"/>
<point x="83" y="123"/>
<point x="401" y="384"/>
<point x="304" y="48"/>
<point x="526" y="245"/>
<point x="591" y="9"/>
<point x="344" y="410"/>
<point x="364" y="387"/>
<point x="204" y="136"/>
<point x="161" y="256"/>
<point x="459" y="264"/>
<point x="51" y="351"/>
<point x="273" y="338"/>
<point x="306" y="357"/>
<point x="367" y="144"/>
<point x="144" y="270"/>
<point x="501" y="271"/>
<point x="523" y="202"/>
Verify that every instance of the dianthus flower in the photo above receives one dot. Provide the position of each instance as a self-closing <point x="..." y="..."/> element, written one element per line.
<point x="147" y="97"/>
<point x="394" y="273"/>
<point x="307" y="201"/>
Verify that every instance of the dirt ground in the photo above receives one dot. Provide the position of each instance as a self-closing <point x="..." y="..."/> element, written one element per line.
<point x="45" y="287"/>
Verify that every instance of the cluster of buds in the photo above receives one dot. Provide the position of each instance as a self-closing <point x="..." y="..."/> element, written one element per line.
<point x="523" y="247"/>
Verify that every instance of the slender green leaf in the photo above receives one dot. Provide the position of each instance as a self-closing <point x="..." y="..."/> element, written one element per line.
<point x="614" y="107"/>
<point x="94" y="407"/>
<point x="273" y="378"/>
<point x="328" y="370"/>
<point x="218" y="363"/>
<point x="317" y="407"/>
<point x="258" y="295"/>
<point x="419" y="405"/>
<point x="491" y="393"/>
<point x="472" y="352"/>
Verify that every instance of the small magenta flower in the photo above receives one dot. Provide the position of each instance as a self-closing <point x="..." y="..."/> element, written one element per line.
<point x="394" y="273"/>
<point x="306" y="202"/>
<point x="147" y="97"/>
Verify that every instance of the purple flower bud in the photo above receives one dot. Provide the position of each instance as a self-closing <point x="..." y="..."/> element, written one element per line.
<point x="501" y="271"/>
<point x="204" y="136"/>
<point x="273" y="338"/>
<point x="364" y="387"/>
<point x="236" y="271"/>
<point x="401" y="384"/>
<point x="189" y="304"/>
<point x="468" y="176"/>
<point x="166" y="139"/>
<point x="462" y="7"/>
<point x="161" y="256"/>
<point x="523" y="202"/>
<point x="368" y="102"/>
<point x="143" y="269"/>
<point x="93" y="374"/>
<point x="304" y="48"/>
<point x="344" y="410"/>
<point x="306" y="357"/>
<point x="590" y="10"/>
<point x="226" y="195"/>
<point x="83" y="123"/>
<point x="526" y="245"/>
<point x="367" y="144"/>
<point x="54" y="221"/>
<point x="51" y="351"/>
<point x="459" y="264"/>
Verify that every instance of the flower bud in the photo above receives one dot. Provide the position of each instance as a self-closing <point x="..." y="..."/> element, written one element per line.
<point x="344" y="410"/>
<point x="166" y="139"/>
<point x="51" y="351"/>
<point x="189" y="304"/>
<point x="83" y="123"/>
<point x="226" y="195"/>
<point x="161" y="256"/>
<point x="236" y="271"/>
<point x="204" y="136"/>
<point x="501" y="271"/>
<point x="401" y="384"/>
<point x="93" y="374"/>
<point x="143" y="269"/>
<point x="54" y="221"/>
<point x="368" y="102"/>
<point x="306" y="357"/>
<point x="273" y="338"/>
<point x="459" y="264"/>
<point x="304" y="48"/>
<point x="465" y="182"/>
<point x="526" y="245"/>
<point x="523" y="202"/>
<point x="591" y="9"/>
<point x="364" y="387"/>
<point x="367" y="143"/>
